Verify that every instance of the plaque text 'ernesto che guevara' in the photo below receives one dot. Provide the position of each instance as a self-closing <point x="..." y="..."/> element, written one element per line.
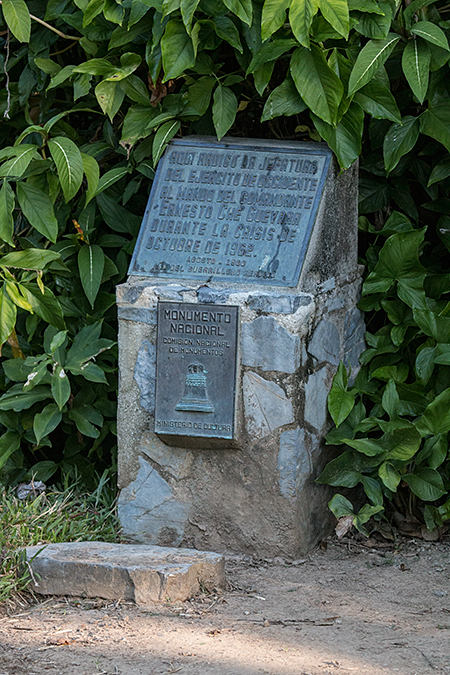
<point x="196" y="370"/>
<point x="232" y="211"/>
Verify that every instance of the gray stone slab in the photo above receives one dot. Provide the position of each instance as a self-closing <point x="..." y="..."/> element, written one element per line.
<point x="325" y="343"/>
<point x="316" y="393"/>
<point x="277" y="303"/>
<point x="143" y="574"/>
<point x="267" y="345"/>
<point x="149" y="511"/>
<point x="139" y="314"/>
<point x="144" y="374"/>
<point x="213" y="295"/>
<point x="266" y="406"/>
<point x="294" y="462"/>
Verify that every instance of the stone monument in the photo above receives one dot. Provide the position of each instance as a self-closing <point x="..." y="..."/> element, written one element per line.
<point x="240" y="303"/>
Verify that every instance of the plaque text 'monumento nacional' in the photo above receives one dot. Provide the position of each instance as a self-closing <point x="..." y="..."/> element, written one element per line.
<point x="239" y="211"/>
<point x="196" y="370"/>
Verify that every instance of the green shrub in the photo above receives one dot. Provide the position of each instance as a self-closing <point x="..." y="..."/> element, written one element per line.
<point x="92" y="91"/>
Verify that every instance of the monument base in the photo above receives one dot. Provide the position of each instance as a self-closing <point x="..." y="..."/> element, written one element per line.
<point x="258" y="497"/>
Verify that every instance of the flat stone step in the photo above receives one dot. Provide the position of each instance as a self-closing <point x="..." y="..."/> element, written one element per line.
<point x="140" y="573"/>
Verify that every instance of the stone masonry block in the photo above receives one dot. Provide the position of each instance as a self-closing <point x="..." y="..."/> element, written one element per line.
<point x="266" y="406"/>
<point x="278" y="303"/>
<point x="325" y="343"/>
<point x="145" y="374"/>
<point x="143" y="574"/>
<point x="316" y="393"/>
<point x="149" y="511"/>
<point x="266" y="344"/>
<point x="294" y="462"/>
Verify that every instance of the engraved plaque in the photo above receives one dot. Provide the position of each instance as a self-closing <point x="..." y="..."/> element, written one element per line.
<point x="196" y="354"/>
<point x="235" y="210"/>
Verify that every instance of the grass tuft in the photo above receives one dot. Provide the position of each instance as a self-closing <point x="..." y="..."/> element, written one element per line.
<point x="51" y="517"/>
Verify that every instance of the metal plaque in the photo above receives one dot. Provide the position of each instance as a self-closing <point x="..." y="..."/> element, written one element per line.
<point x="239" y="211"/>
<point x="196" y="353"/>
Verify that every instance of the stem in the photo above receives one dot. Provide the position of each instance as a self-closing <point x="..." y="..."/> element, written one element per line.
<point x="5" y="68"/>
<point x="55" y="30"/>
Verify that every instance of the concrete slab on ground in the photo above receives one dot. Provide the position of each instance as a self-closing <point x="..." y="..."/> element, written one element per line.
<point x="140" y="573"/>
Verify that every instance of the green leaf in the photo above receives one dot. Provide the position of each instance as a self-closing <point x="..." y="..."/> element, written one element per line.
<point x="17" y="18"/>
<point x="69" y="165"/>
<point x="377" y="100"/>
<point x="389" y="475"/>
<point x="224" y="110"/>
<point x="48" y="66"/>
<point x="416" y="67"/>
<point x="93" y="9"/>
<point x="7" y="204"/>
<point x="430" y="32"/>
<point x="390" y="399"/>
<point x="110" y="97"/>
<point x="162" y="137"/>
<point x="336" y="13"/>
<point x="136" y="90"/>
<point x="85" y="417"/>
<point x="29" y="259"/>
<point x="375" y="25"/>
<point x="16" y="399"/>
<point x="435" y="122"/>
<point x="87" y="344"/>
<point x="399" y="140"/>
<point x="318" y="85"/>
<point x="46" y="421"/>
<point x="8" y="313"/>
<point x="435" y="450"/>
<point x="91" y="170"/>
<point x="199" y="95"/>
<point x="340" y="401"/>
<point x="19" y="163"/>
<point x="188" y="8"/>
<point x="372" y="489"/>
<point x="346" y="138"/>
<point x="9" y="443"/>
<point x="436" y="418"/>
<point x="340" y="506"/>
<point x="91" y="261"/>
<point x="370" y="58"/>
<point x="403" y="443"/>
<point x="128" y="64"/>
<point x="38" y="209"/>
<point x="412" y="8"/>
<point x="426" y="483"/>
<point x="241" y="8"/>
<point x="271" y="51"/>
<point x="433" y="325"/>
<point x="440" y="172"/>
<point x="341" y="472"/>
<point x="177" y="50"/>
<point x="273" y="16"/>
<point x="368" y="446"/>
<point x="226" y="29"/>
<point x="284" y="100"/>
<point x="90" y="371"/>
<point x="60" y="387"/>
<point x="61" y="77"/>
<point x="301" y="14"/>
<point x="101" y="67"/>
<point x="111" y="177"/>
<point x="44" y="305"/>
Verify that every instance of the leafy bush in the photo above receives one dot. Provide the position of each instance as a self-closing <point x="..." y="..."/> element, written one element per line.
<point x="92" y="92"/>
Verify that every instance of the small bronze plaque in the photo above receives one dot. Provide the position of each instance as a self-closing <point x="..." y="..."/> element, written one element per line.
<point x="196" y="365"/>
<point x="235" y="211"/>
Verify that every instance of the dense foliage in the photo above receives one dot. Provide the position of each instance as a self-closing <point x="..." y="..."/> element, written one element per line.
<point x="92" y="91"/>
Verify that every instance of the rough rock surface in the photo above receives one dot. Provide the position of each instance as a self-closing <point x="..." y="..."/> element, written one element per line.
<point x="141" y="574"/>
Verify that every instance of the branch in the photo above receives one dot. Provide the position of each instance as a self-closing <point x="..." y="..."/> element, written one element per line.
<point x="55" y="30"/>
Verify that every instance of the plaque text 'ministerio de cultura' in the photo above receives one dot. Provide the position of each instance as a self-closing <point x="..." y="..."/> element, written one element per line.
<point x="231" y="211"/>
<point x="196" y="370"/>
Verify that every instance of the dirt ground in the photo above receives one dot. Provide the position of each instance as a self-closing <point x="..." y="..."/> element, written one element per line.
<point x="351" y="608"/>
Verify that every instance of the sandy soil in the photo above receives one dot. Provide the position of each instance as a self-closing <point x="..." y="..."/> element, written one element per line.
<point x="348" y="609"/>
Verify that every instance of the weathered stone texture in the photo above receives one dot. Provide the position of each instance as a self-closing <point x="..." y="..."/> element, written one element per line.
<point x="269" y="346"/>
<point x="143" y="574"/>
<point x="266" y="406"/>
